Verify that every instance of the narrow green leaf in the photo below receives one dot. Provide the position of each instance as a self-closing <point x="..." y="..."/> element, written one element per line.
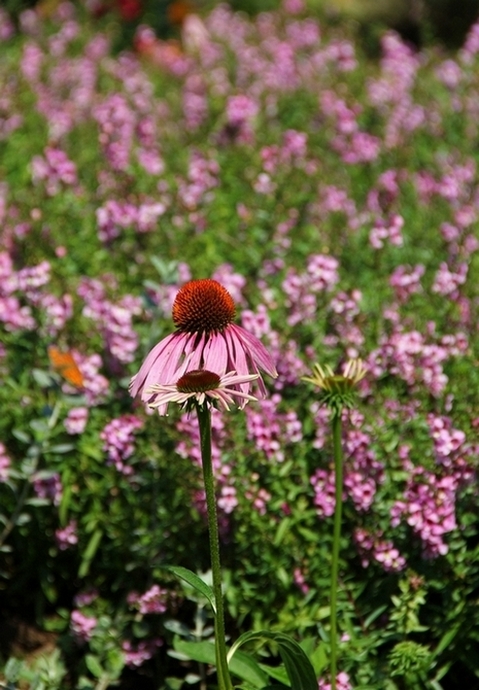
<point x="284" y="526"/>
<point x="65" y="501"/>
<point x="375" y="614"/>
<point x="195" y="581"/>
<point x="298" y="667"/>
<point x="89" y="552"/>
<point x="446" y="639"/>
<point x="243" y="665"/>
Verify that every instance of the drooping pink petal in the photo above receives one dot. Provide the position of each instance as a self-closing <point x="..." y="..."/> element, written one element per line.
<point x="237" y="357"/>
<point x="161" y="364"/>
<point x="256" y="348"/>
<point x="138" y="380"/>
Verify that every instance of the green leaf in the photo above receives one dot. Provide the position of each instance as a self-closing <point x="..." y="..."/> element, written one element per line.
<point x="61" y="448"/>
<point x="89" y="552"/>
<point x="196" y="582"/>
<point x="93" y="665"/>
<point x="42" y="378"/>
<point x="243" y="665"/>
<point x="446" y="639"/>
<point x="21" y="436"/>
<point x="283" y="528"/>
<point x="375" y="614"/>
<point x="65" y="502"/>
<point x="319" y="659"/>
<point x="276" y="673"/>
<point x="298" y="667"/>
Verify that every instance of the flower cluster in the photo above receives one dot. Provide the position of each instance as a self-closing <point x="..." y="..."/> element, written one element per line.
<point x="115" y="319"/>
<point x="372" y="547"/>
<point x="153" y="600"/>
<point x="428" y="506"/>
<point x="136" y="654"/>
<point x="82" y="626"/>
<point x="302" y="290"/>
<point x="271" y="429"/>
<point x="67" y="536"/>
<point x="47" y="485"/>
<point x="55" y="170"/>
<point x="409" y="355"/>
<point x="118" y="441"/>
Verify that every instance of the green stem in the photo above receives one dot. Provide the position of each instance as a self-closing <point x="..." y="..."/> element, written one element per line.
<point x="338" y="472"/>
<point x="204" y="419"/>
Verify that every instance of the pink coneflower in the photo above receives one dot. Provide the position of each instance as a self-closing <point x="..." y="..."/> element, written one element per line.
<point x="206" y="339"/>
<point x="201" y="386"/>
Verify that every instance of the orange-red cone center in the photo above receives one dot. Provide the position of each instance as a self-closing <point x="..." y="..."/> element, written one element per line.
<point x="203" y="305"/>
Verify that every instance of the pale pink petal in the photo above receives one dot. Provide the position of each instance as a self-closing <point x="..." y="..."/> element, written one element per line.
<point x="237" y="357"/>
<point x="257" y="350"/>
<point x="194" y="350"/>
<point x="215" y="354"/>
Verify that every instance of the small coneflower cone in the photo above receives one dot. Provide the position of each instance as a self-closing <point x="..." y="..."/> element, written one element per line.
<point x="206" y="338"/>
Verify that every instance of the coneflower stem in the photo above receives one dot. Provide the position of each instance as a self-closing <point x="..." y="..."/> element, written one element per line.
<point x="204" y="420"/>
<point x="338" y="475"/>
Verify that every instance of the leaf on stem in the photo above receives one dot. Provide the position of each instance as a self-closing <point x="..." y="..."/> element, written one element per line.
<point x="298" y="667"/>
<point x="243" y="665"/>
<point x="195" y="581"/>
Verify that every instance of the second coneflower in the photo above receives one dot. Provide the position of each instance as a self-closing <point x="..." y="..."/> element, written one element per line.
<point x="201" y="387"/>
<point x="205" y="339"/>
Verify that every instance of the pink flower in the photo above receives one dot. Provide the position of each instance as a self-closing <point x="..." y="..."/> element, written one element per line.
<point x="136" y="656"/>
<point x="82" y="626"/>
<point x="154" y="600"/>
<point x="342" y="683"/>
<point x="118" y="441"/>
<point x="206" y="339"/>
<point x="5" y="463"/>
<point x="76" y="420"/>
<point x="203" y="387"/>
<point x="67" y="536"/>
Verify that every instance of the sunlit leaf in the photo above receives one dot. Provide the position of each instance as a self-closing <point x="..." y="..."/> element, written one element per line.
<point x="195" y="581"/>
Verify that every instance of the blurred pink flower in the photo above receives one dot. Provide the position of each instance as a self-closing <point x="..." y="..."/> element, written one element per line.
<point x="82" y="626"/>
<point x="5" y="463"/>
<point x="154" y="600"/>
<point x="67" y="536"/>
<point x="76" y="420"/>
<point x="136" y="656"/>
